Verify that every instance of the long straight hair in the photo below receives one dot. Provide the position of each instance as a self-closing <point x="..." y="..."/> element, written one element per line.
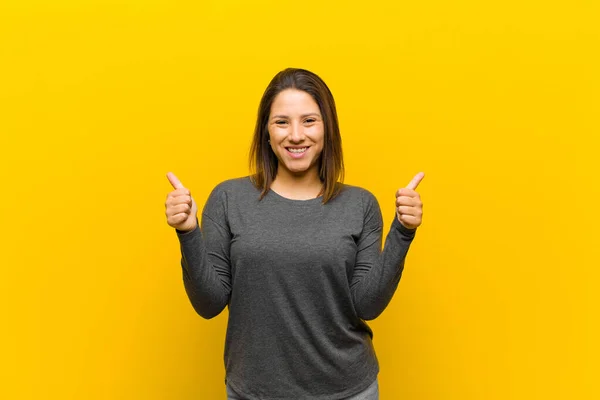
<point x="264" y="162"/>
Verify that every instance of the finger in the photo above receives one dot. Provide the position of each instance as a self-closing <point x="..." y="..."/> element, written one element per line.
<point x="175" y="182"/>
<point x="406" y="201"/>
<point x="181" y="199"/>
<point x="177" y="200"/>
<point x="404" y="192"/>
<point x="178" y="193"/>
<point x="404" y="210"/>
<point x="410" y="220"/>
<point x="177" y="219"/>
<point x="415" y="181"/>
<point x="178" y="209"/>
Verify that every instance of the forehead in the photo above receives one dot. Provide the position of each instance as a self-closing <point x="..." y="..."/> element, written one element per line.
<point x="294" y="101"/>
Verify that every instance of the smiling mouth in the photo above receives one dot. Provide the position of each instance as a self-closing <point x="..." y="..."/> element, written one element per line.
<point x="296" y="150"/>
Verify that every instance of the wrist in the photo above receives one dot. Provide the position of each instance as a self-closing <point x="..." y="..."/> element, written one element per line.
<point x="187" y="230"/>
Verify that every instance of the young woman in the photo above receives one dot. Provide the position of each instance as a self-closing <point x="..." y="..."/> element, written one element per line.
<point x="295" y="254"/>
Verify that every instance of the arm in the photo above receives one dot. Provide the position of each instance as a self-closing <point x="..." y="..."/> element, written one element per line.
<point x="377" y="273"/>
<point x="205" y="258"/>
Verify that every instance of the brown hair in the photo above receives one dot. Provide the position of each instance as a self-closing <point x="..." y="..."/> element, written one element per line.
<point x="263" y="161"/>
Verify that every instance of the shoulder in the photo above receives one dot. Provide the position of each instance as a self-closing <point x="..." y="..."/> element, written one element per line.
<point x="358" y="199"/>
<point x="225" y="194"/>
<point x="357" y="193"/>
<point x="234" y="184"/>
<point x="232" y="188"/>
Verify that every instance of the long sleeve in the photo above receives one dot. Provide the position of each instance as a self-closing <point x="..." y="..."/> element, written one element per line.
<point x="205" y="258"/>
<point x="377" y="273"/>
<point x="290" y="273"/>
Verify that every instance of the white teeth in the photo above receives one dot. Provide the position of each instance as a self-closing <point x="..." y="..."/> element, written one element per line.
<point x="302" y="150"/>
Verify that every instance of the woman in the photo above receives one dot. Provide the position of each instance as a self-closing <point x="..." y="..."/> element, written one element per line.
<point x="295" y="254"/>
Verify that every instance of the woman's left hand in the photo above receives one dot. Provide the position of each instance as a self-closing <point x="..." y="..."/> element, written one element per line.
<point x="409" y="207"/>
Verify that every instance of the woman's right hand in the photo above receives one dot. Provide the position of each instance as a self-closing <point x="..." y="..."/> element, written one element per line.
<point x="180" y="207"/>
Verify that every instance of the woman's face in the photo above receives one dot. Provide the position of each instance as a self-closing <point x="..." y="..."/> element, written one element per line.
<point x="296" y="132"/>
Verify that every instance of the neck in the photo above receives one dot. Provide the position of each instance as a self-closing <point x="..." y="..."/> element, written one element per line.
<point x="306" y="185"/>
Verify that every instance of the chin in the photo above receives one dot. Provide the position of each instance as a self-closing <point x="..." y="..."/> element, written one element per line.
<point x="296" y="169"/>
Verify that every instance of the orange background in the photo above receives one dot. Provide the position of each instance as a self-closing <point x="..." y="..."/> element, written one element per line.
<point x="497" y="102"/>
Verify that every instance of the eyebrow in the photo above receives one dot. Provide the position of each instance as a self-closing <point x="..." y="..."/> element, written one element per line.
<point x="302" y="116"/>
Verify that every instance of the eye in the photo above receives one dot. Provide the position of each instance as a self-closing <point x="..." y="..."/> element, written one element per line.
<point x="280" y="122"/>
<point x="310" y="120"/>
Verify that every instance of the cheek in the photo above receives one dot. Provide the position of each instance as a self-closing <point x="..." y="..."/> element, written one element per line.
<point x="319" y="151"/>
<point x="317" y="134"/>
<point x="321" y="143"/>
<point x="277" y="134"/>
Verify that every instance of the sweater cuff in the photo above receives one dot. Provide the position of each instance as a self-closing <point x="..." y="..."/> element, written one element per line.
<point x="188" y="235"/>
<point x="404" y="230"/>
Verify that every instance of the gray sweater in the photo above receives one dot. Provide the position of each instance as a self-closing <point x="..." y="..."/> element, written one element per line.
<point x="300" y="279"/>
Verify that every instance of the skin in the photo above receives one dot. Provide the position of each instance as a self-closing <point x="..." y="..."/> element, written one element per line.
<point x="294" y="121"/>
<point x="409" y="207"/>
<point x="180" y="207"/>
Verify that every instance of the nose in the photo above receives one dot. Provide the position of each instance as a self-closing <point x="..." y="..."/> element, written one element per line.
<point x="296" y="133"/>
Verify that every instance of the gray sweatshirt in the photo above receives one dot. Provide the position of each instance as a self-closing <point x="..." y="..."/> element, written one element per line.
<point x="300" y="278"/>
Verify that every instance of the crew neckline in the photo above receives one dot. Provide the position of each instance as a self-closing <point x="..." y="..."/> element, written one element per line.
<point x="295" y="201"/>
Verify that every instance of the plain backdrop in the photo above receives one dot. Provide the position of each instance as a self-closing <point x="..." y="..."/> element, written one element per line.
<point x="496" y="101"/>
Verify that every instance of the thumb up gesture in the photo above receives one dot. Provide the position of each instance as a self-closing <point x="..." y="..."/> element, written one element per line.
<point x="409" y="207"/>
<point x="180" y="207"/>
